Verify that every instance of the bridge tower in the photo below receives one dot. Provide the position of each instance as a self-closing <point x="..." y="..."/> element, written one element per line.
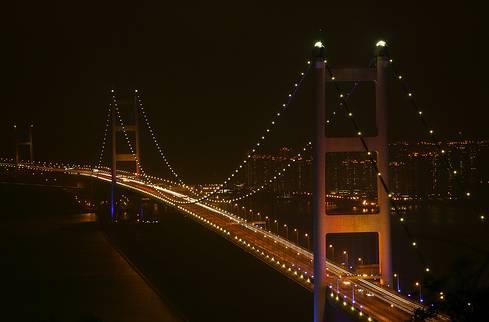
<point x="324" y="223"/>
<point x="127" y="128"/>
<point x="20" y="143"/>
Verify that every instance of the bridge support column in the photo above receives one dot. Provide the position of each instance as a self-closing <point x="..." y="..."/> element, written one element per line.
<point x="28" y="143"/>
<point x="124" y="157"/>
<point x="385" y="253"/>
<point x="323" y="223"/>
<point x="136" y="130"/>
<point x="114" y="159"/>
<point x="319" y="185"/>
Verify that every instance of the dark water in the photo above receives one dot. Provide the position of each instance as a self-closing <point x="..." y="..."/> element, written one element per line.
<point x="58" y="265"/>
<point x="200" y="275"/>
<point x="447" y="235"/>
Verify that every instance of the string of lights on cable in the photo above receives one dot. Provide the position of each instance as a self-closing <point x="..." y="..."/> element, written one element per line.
<point x="429" y="129"/>
<point x="409" y="94"/>
<point x="260" y="141"/>
<point x="331" y="118"/>
<point x="155" y="141"/>
<point x="116" y="108"/>
<point x="278" y="174"/>
<point x="373" y="162"/>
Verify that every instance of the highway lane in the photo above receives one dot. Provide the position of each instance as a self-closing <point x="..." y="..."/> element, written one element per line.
<point x="284" y="256"/>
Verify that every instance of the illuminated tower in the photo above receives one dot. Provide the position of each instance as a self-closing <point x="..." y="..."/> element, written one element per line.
<point x="123" y="157"/>
<point x="323" y="223"/>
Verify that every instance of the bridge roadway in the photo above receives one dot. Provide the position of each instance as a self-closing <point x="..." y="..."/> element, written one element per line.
<point x="369" y="300"/>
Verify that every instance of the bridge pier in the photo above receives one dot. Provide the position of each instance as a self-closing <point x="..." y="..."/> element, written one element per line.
<point x="123" y="157"/>
<point x="380" y="222"/>
<point x="114" y="159"/>
<point x="19" y="143"/>
<point x="324" y="223"/>
<point x="319" y="185"/>
<point x="384" y="228"/>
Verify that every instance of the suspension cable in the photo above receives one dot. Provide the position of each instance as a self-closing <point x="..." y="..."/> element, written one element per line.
<point x="431" y="133"/>
<point x="155" y="141"/>
<point x="373" y="162"/>
<point x="145" y="177"/>
<point x="278" y="174"/>
<point x="331" y="119"/>
<point x="104" y="140"/>
<point x="259" y="142"/>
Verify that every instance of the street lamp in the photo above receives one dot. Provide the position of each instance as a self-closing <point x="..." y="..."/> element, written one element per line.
<point x="286" y="231"/>
<point x="296" y="236"/>
<point x="353" y="293"/>
<point x="418" y="285"/>
<point x="360" y="261"/>
<point x="332" y="251"/>
<point x="345" y="253"/>
<point x="276" y="225"/>
<point x="396" y="277"/>
<point x="267" y="224"/>
<point x="308" y="241"/>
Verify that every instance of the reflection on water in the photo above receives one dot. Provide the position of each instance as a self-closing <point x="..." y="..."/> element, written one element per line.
<point x="84" y="218"/>
<point x="69" y="219"/>
<point x="58" y="265"/>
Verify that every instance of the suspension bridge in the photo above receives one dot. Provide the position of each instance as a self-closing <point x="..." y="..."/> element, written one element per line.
<point x="368" y="297"/>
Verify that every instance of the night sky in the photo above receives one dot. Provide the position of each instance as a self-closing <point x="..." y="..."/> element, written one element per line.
<point x="213" y="74"/>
